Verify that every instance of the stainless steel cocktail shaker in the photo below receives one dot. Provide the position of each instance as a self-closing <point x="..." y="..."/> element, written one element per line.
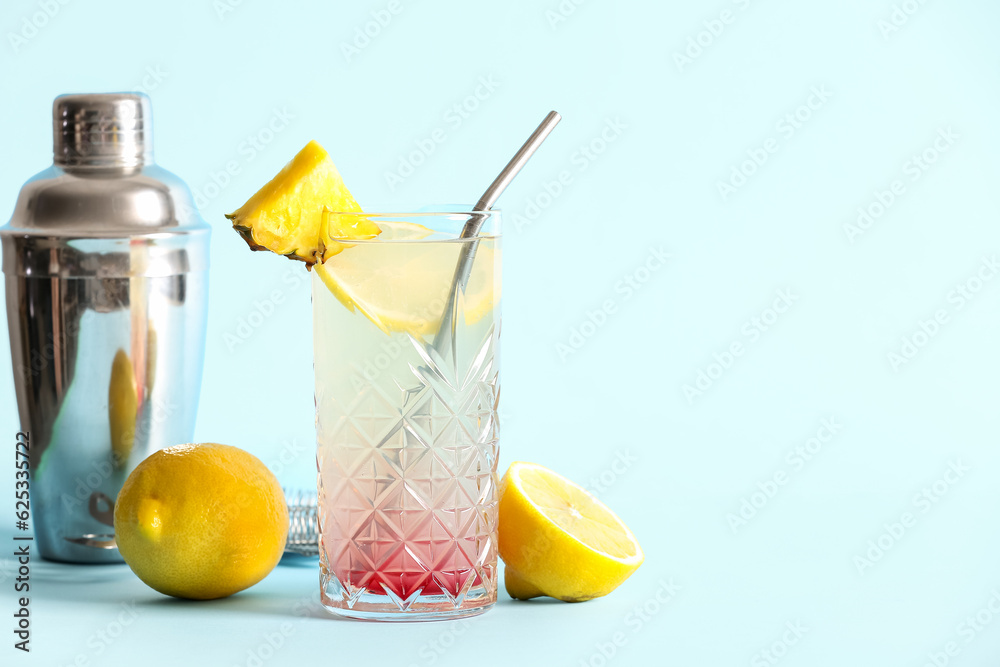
<point x="106" y="267"/>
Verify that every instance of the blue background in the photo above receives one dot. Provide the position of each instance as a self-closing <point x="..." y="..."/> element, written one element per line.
<point x="660" y="134"/>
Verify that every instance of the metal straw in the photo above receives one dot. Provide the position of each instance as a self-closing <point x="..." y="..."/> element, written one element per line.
<point x="445" y="338"/>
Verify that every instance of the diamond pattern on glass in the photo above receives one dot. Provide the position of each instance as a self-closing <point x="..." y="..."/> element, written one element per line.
<point x="411" y="510"/>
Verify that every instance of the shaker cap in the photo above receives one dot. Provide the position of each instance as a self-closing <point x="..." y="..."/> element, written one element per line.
<point x="102" y="130"/>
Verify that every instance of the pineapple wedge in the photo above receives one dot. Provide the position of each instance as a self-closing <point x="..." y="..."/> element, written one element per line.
<point x="286" y="215"/>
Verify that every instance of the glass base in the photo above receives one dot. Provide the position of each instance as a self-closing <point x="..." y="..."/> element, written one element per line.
<point x="380" y="612"/>
<point x="367" y="606"/>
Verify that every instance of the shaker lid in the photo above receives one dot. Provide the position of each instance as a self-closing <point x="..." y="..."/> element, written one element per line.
<point x="104" y="183"/>
<point x="102" y="130"/>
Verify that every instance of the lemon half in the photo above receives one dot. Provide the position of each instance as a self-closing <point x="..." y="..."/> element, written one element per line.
<point x="558" y="540"/>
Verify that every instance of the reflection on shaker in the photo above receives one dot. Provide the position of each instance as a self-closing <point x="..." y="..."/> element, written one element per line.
<point x="150" y="358"/>
<point x="123" y="404"/>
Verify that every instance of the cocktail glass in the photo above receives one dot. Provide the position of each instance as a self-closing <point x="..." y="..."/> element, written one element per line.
<point x="406" y="418"/>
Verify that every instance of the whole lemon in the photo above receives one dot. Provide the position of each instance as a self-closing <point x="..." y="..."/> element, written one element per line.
<point x="201" y="521"/>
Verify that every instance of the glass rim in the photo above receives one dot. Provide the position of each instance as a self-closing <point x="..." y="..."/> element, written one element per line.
<point x="412" y="214"/>
<point x="440" y="235"/>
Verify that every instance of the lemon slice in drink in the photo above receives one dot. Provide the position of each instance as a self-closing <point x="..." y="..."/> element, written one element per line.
<point x="558" y="540"/>
<point x="401" y="279"/>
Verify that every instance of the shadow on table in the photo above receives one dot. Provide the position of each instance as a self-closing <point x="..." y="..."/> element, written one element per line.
<point x="504" y="599"/>
<point x="65" y="573"/>
<point x="295" y="560"/>
<point x="298" y="601"/>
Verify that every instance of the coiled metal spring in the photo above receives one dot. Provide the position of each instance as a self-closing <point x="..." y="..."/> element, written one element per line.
<point x="303" y="522"/>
